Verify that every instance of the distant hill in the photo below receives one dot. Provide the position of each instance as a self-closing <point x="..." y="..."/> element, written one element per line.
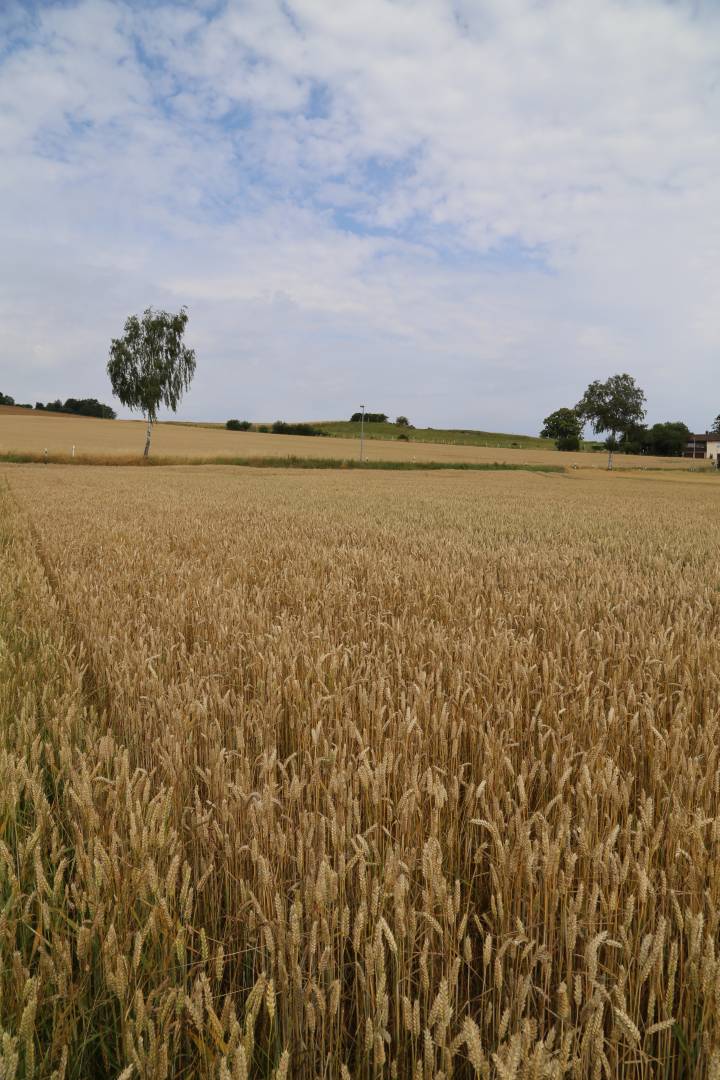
<point x="347" y="429"/>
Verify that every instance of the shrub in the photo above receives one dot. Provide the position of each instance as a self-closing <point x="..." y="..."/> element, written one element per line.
<point x="402" y="437"/>
<point x="568" y="442"/>
<point x="281" y="428"/>
<point x="264" y="428"/>
<point x="238" y="425"/>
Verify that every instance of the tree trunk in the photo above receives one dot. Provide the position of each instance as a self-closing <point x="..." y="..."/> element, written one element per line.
<point x="610" y="449"/>
<point x="148" y="436"/>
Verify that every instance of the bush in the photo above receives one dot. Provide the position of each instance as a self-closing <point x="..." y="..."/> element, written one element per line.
<point x="568" y="442"/>
<point x="238" y="425"/>
<point x="264" y="428"/>
<point x="402" y="437"/>
<point x="281" y="428"/>
<point x="5" y="399"/>
<point x="370" y="418"/>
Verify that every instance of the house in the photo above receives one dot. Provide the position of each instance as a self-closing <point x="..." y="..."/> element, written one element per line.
<point x="703" y="446"/>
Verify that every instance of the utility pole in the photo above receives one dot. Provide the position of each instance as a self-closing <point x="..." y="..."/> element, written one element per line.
<point x="362" y="429"/>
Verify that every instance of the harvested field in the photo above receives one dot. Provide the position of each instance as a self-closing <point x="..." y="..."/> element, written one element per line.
<point x="358" y="774"/>
<point x="26" y="414"/>
<point x="104" y="440"/>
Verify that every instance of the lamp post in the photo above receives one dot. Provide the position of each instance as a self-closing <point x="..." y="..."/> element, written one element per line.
<point x="362" y="429"/>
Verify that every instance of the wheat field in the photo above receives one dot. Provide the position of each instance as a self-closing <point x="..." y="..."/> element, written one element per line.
<point x="358" y="775"/>
<point x="100" y="441"/>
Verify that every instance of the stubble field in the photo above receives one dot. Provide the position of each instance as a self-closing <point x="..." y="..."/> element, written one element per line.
<point x="369" y="775"/>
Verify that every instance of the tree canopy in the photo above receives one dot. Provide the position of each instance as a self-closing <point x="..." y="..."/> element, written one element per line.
<point x="149" y="365"/>
<point x="666" y="439"/>
<point x="79" y="407"/>
<point x="76" y="406"/>
<point x="370" y="418"/>
<point x="612" y="406"/>
<point x="565" y="427"/>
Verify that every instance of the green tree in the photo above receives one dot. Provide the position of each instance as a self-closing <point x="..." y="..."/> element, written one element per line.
<point x="370" y="418"/>
<point x="668" y="439"/>
<point x="715" y="429"/>
<point x="402" y="421"/>
<point x="636" y="440"/>
<point x="150" y="366"/>
<point x="565" y="427"/>
<point x="614" y="406"/>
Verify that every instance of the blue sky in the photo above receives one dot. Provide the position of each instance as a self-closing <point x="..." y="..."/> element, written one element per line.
<point x="461" y="210"/>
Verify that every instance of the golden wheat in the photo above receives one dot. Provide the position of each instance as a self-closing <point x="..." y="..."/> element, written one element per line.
<point x="358" y="775"/>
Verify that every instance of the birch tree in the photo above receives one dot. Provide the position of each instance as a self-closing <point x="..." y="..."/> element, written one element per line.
<point x="150" y="366"/>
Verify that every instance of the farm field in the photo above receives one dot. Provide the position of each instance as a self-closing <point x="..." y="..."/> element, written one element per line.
<point x="358" y="774"/>
<point x="113" y="439"/>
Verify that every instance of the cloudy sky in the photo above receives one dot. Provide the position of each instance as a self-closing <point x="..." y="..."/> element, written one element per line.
<point x="462" y="210"/>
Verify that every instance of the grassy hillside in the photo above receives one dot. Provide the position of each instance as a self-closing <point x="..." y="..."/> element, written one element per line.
<point x="346" y="429"/>
<point x="456" y="436"/>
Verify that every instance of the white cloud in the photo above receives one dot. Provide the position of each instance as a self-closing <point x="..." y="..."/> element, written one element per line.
<point x="463" y="211"/>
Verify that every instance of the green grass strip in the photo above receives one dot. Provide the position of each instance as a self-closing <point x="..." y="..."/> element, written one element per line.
<point x="290" y="462"/>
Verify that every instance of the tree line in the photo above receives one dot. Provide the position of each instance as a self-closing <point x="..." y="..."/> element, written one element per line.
<point x="280" y="427"/>
<point x="379" y="418"/>
<point x="75" y="406"/>
<point x="616" y="408"/>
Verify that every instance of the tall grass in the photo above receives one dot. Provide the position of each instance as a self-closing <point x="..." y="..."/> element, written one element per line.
<point x="329" y="776"/>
